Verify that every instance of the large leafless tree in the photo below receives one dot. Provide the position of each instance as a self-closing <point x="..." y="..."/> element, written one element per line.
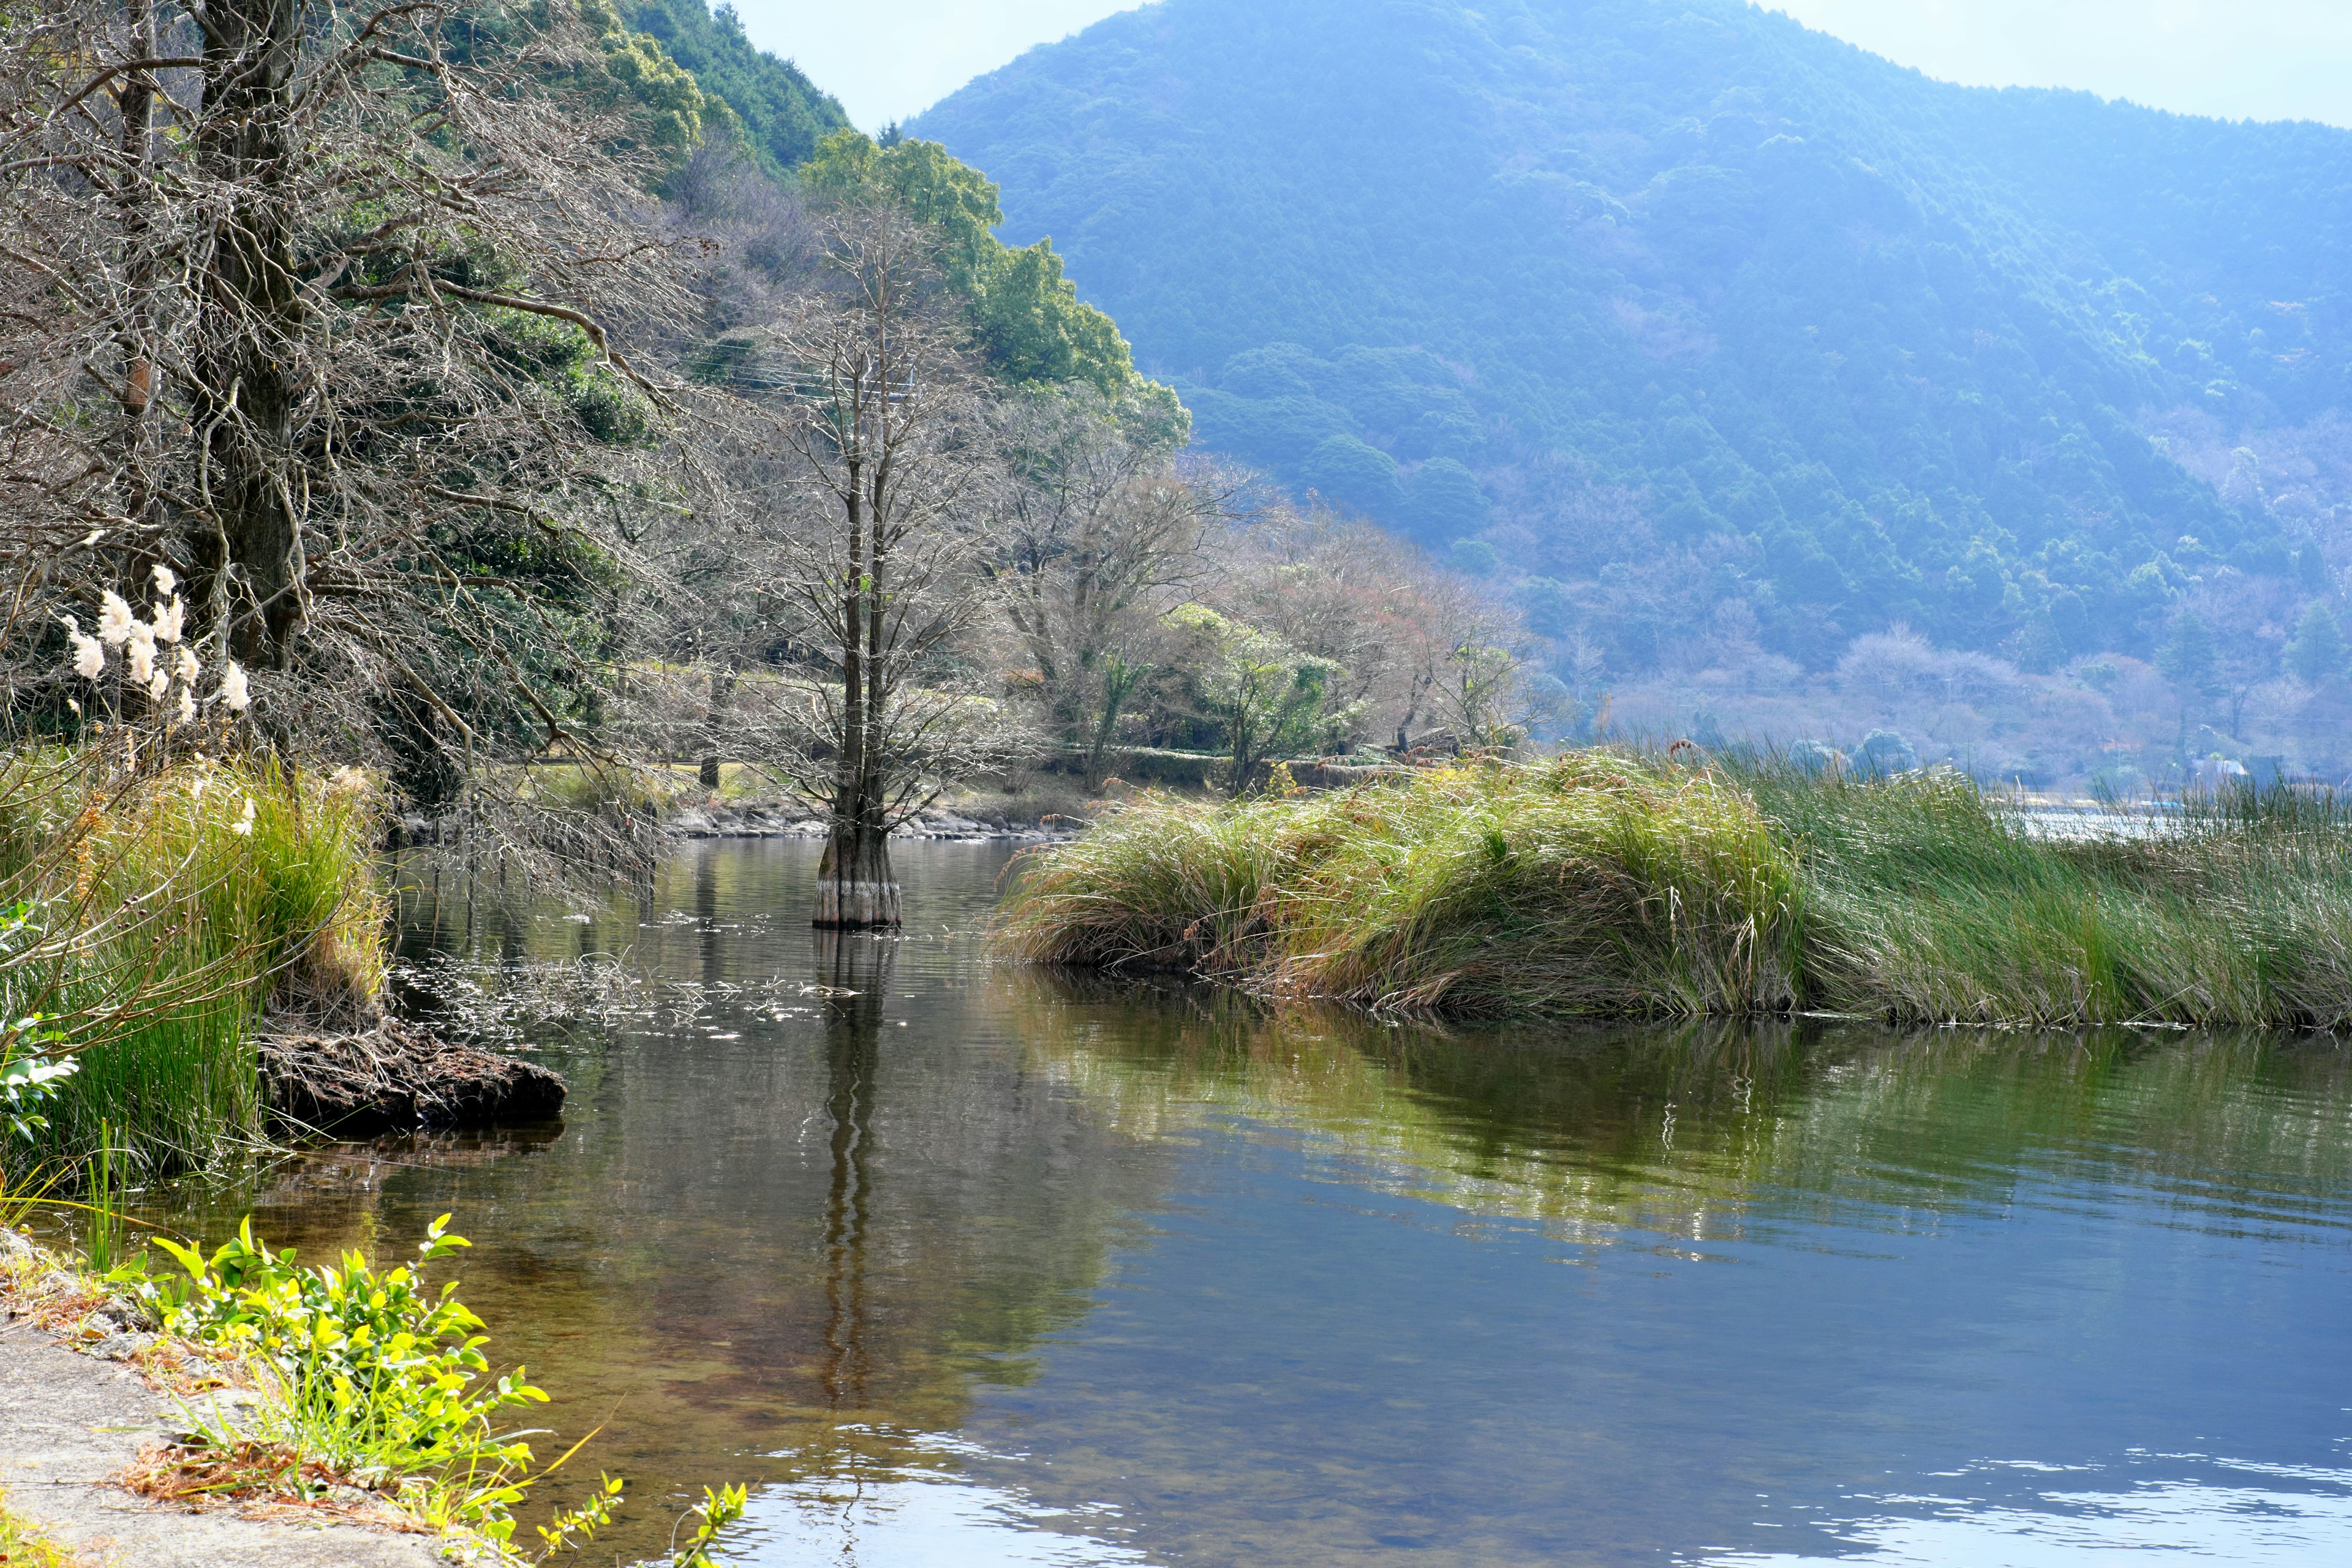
<point x="1093" y="534"/>
<point x="316" y="306"/>
<point x="867" y="548"/>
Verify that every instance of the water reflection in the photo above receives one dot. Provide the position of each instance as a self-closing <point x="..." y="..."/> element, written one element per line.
<point x="965" y="1265"/>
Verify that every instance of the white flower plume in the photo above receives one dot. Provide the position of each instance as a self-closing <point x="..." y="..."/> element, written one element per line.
<point x="186" y="666"/>
<point x="244" y="824"/>
<point x="138" y="650"/>
<point x="166" y="580"/>
<point x="184" y="710"/>
<point x="114" y="620"/>
<point x="234" y="695"/>
<point x="89" y="653"/>
<point x="169" y="620"/>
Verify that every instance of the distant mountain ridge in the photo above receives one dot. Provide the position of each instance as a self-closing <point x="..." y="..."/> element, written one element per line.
<point x="1682" y="306"/>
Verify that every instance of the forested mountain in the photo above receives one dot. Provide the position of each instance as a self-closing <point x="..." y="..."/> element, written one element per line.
<point x="781" y="113"/>
<point x="1682" y="307"/>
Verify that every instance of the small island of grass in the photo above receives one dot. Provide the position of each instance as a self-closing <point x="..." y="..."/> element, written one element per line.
<point x="1611" y="883"/>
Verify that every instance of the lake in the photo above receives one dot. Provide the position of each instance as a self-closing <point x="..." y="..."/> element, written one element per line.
<point x="959" y="1264"/>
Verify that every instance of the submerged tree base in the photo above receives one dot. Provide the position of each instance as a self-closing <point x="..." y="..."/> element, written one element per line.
<point x="1607" y="883"/>
<point x="856" y="890"/>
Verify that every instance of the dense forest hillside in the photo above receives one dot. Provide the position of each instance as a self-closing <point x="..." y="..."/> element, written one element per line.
<point x="781" y="113"/>
<point x="1684" y="315"/>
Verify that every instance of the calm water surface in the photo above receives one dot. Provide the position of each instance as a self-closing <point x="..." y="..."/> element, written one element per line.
<point x="972" y="1268"/>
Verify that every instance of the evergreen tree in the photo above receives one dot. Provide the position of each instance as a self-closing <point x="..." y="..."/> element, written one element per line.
<point x="2316" y="654"/>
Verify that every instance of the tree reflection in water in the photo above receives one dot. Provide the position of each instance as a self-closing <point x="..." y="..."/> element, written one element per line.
<point x="856" y="971"/>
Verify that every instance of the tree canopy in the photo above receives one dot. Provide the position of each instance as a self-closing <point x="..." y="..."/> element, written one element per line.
<point x="1031" y="325"/>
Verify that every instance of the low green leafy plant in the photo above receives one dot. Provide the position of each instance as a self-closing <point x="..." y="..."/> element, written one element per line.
<point x="378" y="1380"/>
<point x="376" y="1377"/>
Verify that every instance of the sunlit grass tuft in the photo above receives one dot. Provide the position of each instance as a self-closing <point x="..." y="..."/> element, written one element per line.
<point x="156" y="916"/>
<point x="1590" y="885"/>
<point x="1611" y="883"/>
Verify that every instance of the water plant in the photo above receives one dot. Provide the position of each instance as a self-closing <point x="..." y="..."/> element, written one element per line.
<point x="1609" y="882"/>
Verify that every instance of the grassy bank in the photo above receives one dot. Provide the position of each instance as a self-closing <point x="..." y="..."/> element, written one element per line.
<point x="147" y="918"/>
<point x="1602" y="883"/>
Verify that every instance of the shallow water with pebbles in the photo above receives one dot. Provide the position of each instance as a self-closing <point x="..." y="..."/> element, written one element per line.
<point x="960" y="1265"/>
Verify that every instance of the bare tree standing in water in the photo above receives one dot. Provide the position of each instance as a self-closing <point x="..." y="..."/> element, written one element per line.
<point x="874" y="568"/>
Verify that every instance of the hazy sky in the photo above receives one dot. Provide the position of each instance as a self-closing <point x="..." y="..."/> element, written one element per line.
<point x="2240" y="59"/>
<point x="2260" y="60"/>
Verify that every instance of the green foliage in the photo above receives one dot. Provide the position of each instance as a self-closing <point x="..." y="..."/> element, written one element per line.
<point x="711" y="1515"/>
<point x="669" y="99"/>
<point x="151" y="920"/>
<point x="1357" y="476"/>
<point x="1268" y="699"/>
<point x="1031" y="325"/>
<point x="1477" y="558"/>
<point x="2318" y="652"/>
<point x="780" y="115"/>
<point x="376" y="1377"/>
<point x="2189" y="660"/>
<point x="1887" y="751"/>
<point x="954" y="198"/>
<point x="1035" y="329"/>
<point x="1688" y="283"/>
<point x="1603" y="883"/>
<point x="32" y="1063"/>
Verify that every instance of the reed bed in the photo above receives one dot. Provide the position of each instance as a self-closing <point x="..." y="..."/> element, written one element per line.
<point x="1607" y="883"/>
<point x="155" y="914"/>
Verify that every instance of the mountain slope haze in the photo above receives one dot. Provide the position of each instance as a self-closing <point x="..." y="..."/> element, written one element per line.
<point x="1680" y="307"/>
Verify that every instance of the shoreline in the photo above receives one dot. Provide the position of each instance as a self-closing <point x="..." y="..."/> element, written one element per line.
<point x="74" y="1422"/>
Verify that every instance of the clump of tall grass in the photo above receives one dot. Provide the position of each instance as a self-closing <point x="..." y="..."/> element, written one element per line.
<point x="1593" y="884"/>
<point x="1614" y="883"/>
<point x="154" y="913"/>
<point x="1928" y="900"/>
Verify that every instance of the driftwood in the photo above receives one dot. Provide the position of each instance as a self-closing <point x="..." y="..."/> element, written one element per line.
<point x="392" y="1076"/>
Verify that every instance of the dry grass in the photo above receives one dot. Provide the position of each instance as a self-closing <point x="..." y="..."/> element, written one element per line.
<point x="1606" y="883"/>
<point x="262" y="1480"/>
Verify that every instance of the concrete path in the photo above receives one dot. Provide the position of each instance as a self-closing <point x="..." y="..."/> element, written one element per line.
<point x="69" y="1424"/>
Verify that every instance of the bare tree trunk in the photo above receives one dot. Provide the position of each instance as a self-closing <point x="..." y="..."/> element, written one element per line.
<point x="722" y="687"/>
<point x="856" y="889"/>
<point x="250" y="549"/>
<point x="1118" y="683"/>
<point x="135" y="196"/>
